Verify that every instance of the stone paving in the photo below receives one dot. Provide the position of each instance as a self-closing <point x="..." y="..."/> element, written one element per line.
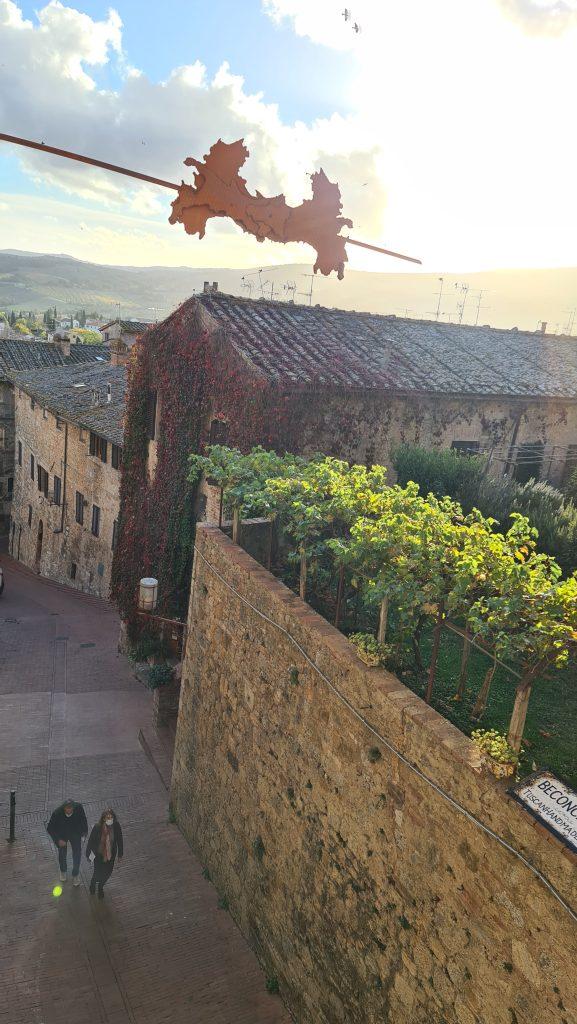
<point x="157" y="950"/>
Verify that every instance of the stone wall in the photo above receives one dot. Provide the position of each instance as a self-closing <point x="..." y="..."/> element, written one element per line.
<point x="367" y="428"/>
<point x="6" y="452"/>
<point x="70" y="553"/>
<point x="367" y="894"/>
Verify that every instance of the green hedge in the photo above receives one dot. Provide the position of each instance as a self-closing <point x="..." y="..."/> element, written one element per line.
<point x="464" y="478"/>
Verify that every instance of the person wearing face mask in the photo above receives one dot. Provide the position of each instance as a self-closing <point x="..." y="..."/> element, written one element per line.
<point x="68" y="824"/>
<point x="104" y="844"/>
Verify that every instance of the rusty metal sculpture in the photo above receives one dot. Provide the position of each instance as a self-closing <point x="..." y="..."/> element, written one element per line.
<point x="220" y="191"/>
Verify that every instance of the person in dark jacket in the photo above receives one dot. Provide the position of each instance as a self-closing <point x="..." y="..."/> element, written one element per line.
<point x="68" y="824"/>
<point x="104" y="844"/>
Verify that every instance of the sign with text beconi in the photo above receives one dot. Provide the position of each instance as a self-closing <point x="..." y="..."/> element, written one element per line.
<point x="552" y="803"/>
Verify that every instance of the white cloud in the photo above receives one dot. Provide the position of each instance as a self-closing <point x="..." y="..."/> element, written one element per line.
<point x="49" y="92"/>
<point x="549" y="17"/>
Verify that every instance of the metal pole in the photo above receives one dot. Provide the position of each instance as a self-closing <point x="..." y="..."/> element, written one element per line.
<point x="12" y="836"/>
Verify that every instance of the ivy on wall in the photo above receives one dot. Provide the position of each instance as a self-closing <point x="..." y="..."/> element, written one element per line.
<point x="198" y="376"/>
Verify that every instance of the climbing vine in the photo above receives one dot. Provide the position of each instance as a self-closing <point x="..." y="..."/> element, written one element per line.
<point x="196" y="377"/>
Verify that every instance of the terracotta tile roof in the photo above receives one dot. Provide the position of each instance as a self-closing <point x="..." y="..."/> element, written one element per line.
<point x="334" y="347"/>
<point x="31" y="355"/>
<point x="78" y="394"/>
<point x="130" y="326"/>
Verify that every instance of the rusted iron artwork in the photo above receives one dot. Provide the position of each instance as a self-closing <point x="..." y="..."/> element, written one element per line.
<point x="220" y="191"/>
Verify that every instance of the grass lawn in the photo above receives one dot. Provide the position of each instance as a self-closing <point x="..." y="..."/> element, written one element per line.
<point x="551" y="729"/>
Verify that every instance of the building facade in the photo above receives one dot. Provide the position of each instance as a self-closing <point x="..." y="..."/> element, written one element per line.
<point x="68" y="438"/>
<point x="228" y="370"/>
<point x="17" y="355"/>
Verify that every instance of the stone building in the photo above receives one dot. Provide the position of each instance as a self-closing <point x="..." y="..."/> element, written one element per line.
<point x="15" y="355"/>
<point x="230" y="370"/>
<point x="69" y="437"/>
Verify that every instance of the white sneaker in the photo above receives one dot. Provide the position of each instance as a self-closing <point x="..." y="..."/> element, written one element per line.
<point x="63" y="876"/>
<point x="76" y="880"/>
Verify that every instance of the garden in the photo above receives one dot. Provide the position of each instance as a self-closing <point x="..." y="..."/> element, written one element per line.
<point x="481" y="623"/>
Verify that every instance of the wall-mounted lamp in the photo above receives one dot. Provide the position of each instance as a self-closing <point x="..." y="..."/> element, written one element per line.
<point x="148" y="594"/>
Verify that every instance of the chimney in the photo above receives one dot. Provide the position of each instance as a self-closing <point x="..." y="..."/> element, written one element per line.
<point x="215" y="286"/>
<point x="543" y="327"/>
<point x="108" y="393"/>
<point x="96" y="399"/>
<point x="206" y="288"/>
<point x="119" y="352"/>
<point x="62" y="342"/>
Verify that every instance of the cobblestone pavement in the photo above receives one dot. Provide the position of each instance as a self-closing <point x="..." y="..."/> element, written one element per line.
<point x="157" y="950"/>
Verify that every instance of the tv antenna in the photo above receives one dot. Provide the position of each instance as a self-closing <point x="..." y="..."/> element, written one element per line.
<point x="464" y="289"/>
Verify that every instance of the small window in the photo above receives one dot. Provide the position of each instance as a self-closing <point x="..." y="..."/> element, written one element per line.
<point x="528" y="462"/>
<point x="10" y="486"/>
<point x="465" y="447"/>
<point x="42" y="480"/>
<point x="30" y="515"/>
<point x="95" y="520"/>
<point x="20" y="453"/>
<point x="57" y="490"/>
<point x="218" y="432"/>
<point x="32" y="473"/>
<point x="73" y="571"/>
<point x="100" y="569"/>
<point x="32" y="403"/>
<point x="151" y="415"/>
<point x="45" y="413"/>
<point x="79" y="507"/>
<point x="114" y="534"/>
<point x="98" y="446"/>
<point x="58" y="424"/>
<point x="116" y="456"/>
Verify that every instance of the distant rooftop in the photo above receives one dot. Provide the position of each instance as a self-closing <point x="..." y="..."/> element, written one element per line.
<point x="31" y="355"/>
<point x="78" y="394"/>
<point x="130" y="326"/>
<point x="299" y="344"/>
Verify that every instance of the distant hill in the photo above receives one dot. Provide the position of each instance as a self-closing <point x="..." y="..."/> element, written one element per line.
<point x="511" y="298"/>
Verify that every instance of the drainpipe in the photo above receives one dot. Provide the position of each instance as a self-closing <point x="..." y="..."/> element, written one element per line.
<point x="61" y="527"/>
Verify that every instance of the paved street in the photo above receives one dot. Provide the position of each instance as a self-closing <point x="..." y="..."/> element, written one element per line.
<point x="157" y="950"/>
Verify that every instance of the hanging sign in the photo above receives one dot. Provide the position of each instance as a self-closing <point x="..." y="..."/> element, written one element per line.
<point x="552" y="803"/>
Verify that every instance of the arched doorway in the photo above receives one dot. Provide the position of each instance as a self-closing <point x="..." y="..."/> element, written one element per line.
<point x="39" y="546"/>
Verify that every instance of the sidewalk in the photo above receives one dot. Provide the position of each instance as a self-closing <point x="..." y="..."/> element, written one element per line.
<point x="157" y="950"/>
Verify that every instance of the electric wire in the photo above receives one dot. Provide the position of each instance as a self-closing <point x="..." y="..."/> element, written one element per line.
<point x="393" y="750"/>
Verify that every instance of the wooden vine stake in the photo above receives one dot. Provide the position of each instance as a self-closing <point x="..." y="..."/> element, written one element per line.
<point x="435" y="652"/>
<point x="383" y="616"/>
<point x="519" y="714"/>
<point x="483" y="694"/>
<point x="236" y="526"/>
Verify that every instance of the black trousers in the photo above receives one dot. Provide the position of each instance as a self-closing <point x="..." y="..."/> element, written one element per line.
<point x="102" y="872"/>
<point x="76" y="844"/>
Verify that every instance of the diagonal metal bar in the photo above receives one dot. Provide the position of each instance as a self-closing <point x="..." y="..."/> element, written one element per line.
<point x="87" y="160"/>
<point x="43" y="148"/>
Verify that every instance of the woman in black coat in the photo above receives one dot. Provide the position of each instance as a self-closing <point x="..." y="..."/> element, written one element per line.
<point x="104" y="844"/>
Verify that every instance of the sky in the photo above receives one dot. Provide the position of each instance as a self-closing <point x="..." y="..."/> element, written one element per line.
<point x="447" y="125"/>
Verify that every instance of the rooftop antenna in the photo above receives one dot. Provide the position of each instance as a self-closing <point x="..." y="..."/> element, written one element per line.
<point x="464" y="288"/>
<point x="479" y="306"/>
<point x="570" y="321"/>
<point x="310" y="292"/>
<point x="247" y="285"/>
<point x="439" y="296"/>
<point x="291" y="288"/>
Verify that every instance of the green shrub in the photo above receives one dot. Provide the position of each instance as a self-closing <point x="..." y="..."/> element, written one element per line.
<point x="148" y="645"/>
<point x="443" y="472"/>
<point x="571" y="487"/>
<point x="158" y="675"/>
